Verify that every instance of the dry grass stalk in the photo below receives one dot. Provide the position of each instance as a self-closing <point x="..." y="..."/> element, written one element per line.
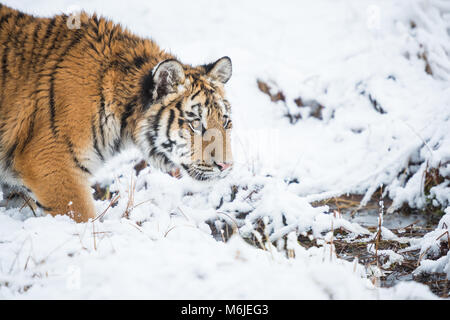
<point x="448" y="238"/>
<point x="93" y="233"/>
<point x="350" y="203"/>
<point x="331" y="241"/>
<point x="112" y="202"/>
<point x="27" y="200"/>
<point x="130" y="202"/>
<point x="235" y="224"/>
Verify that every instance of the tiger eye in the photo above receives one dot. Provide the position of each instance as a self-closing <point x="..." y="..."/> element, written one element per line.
<point x="196" y="124"/>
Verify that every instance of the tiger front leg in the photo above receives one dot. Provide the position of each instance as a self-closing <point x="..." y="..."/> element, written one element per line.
<point x="64" y="193"/>
<point x="60" y="188"/>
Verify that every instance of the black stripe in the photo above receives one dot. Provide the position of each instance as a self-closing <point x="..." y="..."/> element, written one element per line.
<point x="5" y="59"/>
<point x="47" y="34"/>
<point x="169" y="123"/>
<point x="96" y="21"/>
<point x="139" y="62"/>
<point x="94" y="138"/>
<point x="147" y="86"/>
<point x="22" y="65"/>
<point x="18" y="31"/>
<point x="208" y="101"/>
<point x="117" y="145"/>
<point x="51" y="91"/>
<point x="74" y="157"/>
<point x="74" y="41"/>
<point x="80" y="166"/>
<point x="51" y="98"/>
<point x="30" y="129"/>
<point x="20" y="40"/>
<point x="54" y="41"/>
<point x="168" y="145"/>
<point x="101" y="113"/>
<point x="196" y="94"/>
<point x="76" y="37"/>
<point x="124" y="37"/>
<point x="151" y="134"/>
<point x="157" y="119"/>
<point x="10" y="155"/>
<point x="94" y="48"/>
<point x="43" y="207"/>
<point x="111" y="35"/>
<point x="4" y="19"/>
<point x="191" y="115"/>
<point x="179" y="106"/>
<point x="4" y="67"/>
<point x="34" y="41"/>
<point x="129" y="110"/>
<point x="153" y="151"/>
<point x="180" y="119"/>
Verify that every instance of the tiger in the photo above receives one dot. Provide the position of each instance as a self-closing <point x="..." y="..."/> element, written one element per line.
<point x="78" y="89"/>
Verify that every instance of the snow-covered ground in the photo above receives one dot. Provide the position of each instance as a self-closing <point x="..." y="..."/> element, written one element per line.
<point x="362" y="60"/>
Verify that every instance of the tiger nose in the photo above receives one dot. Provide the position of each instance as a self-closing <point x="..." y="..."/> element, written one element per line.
<point x="223" y="166"/>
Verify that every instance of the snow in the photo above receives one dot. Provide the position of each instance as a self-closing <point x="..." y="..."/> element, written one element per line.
<point x="343" y="54"/>
<point x="176" y="266"/>
<point x="430" y="247"/>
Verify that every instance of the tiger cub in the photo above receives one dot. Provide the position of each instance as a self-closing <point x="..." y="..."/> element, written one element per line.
<point x="73" y="95"/>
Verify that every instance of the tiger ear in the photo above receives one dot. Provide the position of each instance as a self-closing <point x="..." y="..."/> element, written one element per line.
<point x="167" y="76"/>
<point x="220" y="70"/>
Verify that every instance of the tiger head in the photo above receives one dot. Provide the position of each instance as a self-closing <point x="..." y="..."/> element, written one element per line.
<point x="188" y="122"/>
